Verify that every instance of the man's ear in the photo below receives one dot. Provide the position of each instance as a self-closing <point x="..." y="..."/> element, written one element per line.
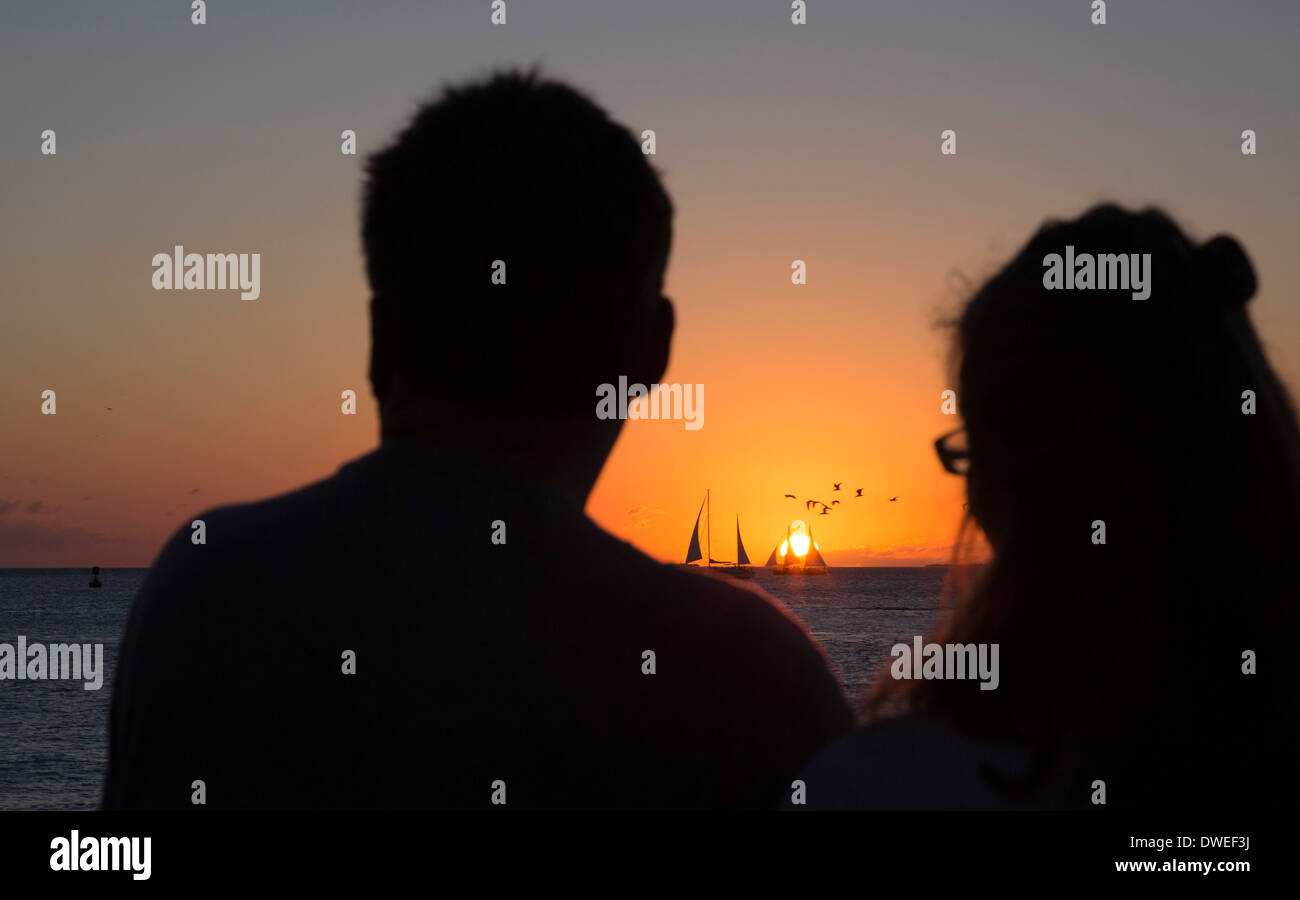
<point x="379" y="360"/>
<point x="659" y="342"/>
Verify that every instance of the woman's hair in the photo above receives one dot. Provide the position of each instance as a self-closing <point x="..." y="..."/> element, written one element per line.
<point x="1159" y="420"/>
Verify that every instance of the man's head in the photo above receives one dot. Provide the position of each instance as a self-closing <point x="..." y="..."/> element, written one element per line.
<point x="515" y="241"/>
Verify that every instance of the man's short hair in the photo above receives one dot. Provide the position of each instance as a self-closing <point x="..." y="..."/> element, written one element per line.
<point x="530" y="172"/>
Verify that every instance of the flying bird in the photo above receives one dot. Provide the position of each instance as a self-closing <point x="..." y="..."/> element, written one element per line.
<point x="859" y="493"/>
<point x="892" y="499"/>
<point x="837" y="485"/>
<point x="826" y="510"/>
<point x="833" y="503"/>
<point x="792" y="496"/>
<point x="109" y="408"/>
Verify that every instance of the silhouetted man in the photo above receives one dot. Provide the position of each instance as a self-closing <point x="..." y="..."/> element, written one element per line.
<point x="439" y="624"/>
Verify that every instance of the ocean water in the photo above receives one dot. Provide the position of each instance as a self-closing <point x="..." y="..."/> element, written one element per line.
<point x="857" y="614"/>
<point x="53" y="734"/>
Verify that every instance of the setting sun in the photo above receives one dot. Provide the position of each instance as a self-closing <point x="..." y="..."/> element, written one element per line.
<point x="798" y="541"/>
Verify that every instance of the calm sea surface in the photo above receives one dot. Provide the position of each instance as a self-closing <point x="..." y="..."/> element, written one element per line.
<point x="53" y="734"/>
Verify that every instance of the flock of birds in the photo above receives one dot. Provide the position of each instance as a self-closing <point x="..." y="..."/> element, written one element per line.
<point x="810" y="505"/>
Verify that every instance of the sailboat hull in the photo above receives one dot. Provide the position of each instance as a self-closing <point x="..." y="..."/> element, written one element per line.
<point x="731" y="571"/>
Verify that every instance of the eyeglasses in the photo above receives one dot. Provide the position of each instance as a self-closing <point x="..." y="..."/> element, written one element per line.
<point x="954" y="452"/>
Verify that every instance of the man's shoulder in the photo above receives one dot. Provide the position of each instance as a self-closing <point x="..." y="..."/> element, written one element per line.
<point x="740" y="605"/>
<point x="264" y="527"/>
<point x="704" y="598"/>
<point x="246" y="558"/>
<point x="743" y="635"/>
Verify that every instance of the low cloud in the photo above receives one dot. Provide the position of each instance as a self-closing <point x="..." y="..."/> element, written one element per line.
<point x="41" y="543"/>
<point x="27" y="535"/>
<point x="892" y="555"/>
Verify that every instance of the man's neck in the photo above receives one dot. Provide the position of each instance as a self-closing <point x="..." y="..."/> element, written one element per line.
<point x="563" y="452"/>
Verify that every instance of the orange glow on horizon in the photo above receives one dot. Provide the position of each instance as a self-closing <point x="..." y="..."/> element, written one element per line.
<point x="170" y="404"/>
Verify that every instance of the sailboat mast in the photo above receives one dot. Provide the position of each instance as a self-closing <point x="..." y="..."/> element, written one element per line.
<point x="709" y="533"/>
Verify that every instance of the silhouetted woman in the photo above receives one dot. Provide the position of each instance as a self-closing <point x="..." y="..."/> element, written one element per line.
<point x="1125" y="666"/>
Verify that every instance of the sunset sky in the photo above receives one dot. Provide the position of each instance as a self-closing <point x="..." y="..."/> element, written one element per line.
<point x="776" y="142"/>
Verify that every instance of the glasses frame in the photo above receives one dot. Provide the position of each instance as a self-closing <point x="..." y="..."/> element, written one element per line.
<point x="950" y="459"/>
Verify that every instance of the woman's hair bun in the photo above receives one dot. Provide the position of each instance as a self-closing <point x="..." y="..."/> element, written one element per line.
<point x="1223" y="272"/>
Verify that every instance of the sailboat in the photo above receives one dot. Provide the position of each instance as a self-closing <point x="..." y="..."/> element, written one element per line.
<point x="783" y="564"/>
<point x="739" y="569"/>
<point x="812" y="562"/>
